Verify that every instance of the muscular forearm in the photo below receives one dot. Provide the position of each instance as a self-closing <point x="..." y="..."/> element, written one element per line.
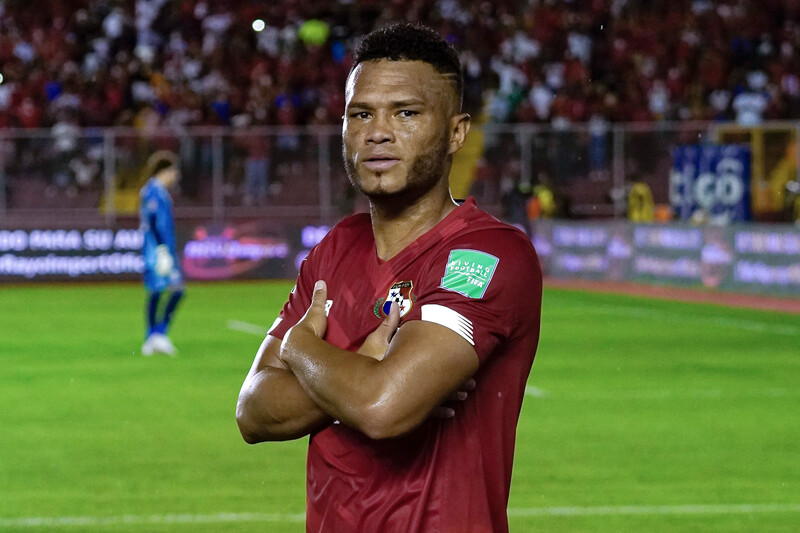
<point x="273" y="406"/>
<point x="349" y="387"/>
<point x="424" y="363"/>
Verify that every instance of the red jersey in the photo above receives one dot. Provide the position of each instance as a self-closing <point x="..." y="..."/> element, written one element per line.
<point x="480" y="278"/>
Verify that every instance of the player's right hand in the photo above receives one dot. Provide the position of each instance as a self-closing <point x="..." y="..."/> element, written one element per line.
<point x="315" y="317"/>
<point x="164" y="260"/>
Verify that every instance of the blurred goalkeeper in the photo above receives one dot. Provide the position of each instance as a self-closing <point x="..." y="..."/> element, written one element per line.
<point x="163" y="279"/>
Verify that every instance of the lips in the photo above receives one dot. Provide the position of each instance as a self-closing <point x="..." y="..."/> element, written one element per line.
<point x="378" y="163"/>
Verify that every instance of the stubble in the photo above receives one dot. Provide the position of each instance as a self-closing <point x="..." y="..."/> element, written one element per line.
<point x="424" y="173"/>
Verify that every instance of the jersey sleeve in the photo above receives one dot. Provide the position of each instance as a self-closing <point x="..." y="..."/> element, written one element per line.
<point x="299" y="298"/>
<point x="485" y="286"/>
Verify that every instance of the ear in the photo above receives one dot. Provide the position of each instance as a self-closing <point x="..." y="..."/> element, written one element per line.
<point x="459" y="127"/>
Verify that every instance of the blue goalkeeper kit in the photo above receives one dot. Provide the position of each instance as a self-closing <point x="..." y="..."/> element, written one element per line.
<point x="158" y="229"/>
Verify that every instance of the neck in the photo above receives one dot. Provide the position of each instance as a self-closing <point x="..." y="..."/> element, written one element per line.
<point x="398" y="224"/>
<point x="165" y="182"/>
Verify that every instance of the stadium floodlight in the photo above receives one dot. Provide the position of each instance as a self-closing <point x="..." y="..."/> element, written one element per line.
<point x="259" y="25"/>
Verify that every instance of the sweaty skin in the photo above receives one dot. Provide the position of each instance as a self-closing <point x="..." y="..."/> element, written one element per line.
<point x="401" y="127"/>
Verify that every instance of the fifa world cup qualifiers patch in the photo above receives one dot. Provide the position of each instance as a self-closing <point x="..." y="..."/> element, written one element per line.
<point x="399" y="292"/>
<point x="469" y="272"/>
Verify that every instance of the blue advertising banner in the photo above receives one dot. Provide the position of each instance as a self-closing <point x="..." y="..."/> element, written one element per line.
<point x="745" y="258"/>
<point x="574" y="249"/>
<point x="711" y="183"/>
<point x="767" y="259"/>
<point x="667" y="254"/>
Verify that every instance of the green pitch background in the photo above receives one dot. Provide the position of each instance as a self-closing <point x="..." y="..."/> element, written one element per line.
<point x="642" y="415"/>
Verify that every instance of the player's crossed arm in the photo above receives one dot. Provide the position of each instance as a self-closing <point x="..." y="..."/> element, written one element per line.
<point x="272" y="405"/>
<point x="276" y="404"/>
<point x="376" y="345"/>
<point x="424" y="366"/>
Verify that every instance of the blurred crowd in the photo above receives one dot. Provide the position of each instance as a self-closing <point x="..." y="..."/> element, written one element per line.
<point x="73" y="66"/>
<point x="145" y="63"/>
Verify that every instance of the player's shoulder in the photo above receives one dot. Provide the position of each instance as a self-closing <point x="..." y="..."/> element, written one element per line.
<point x="487" y="260"/>
<point x="150" y="189"/>
<point x="483" y="229"/>
<point x="482" y="243"/>
<point x="357" y="222"/>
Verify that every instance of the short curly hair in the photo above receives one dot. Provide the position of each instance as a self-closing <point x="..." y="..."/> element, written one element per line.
<point x="411" y="42"/>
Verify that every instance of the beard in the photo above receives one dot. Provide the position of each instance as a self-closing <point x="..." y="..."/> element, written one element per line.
<point x="425" y="172"/>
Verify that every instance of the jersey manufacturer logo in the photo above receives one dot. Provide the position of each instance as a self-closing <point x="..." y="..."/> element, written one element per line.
<point x="469" y="272"/>
<point x="399" y="292"/>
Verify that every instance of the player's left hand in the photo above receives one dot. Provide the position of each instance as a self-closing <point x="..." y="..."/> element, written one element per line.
<point x="164" y="260"/>
<point x="377" y="342"/>
<point x="446" y="411"/>
<point x="315" y="318"/>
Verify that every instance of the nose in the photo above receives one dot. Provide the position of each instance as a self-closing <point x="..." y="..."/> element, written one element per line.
<point x="379" y="129"/>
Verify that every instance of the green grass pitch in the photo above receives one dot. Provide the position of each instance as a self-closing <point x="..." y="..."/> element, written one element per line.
<point x="642" y="415"/>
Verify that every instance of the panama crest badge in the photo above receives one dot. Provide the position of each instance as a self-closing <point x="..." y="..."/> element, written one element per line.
<point x="399" y="292"/>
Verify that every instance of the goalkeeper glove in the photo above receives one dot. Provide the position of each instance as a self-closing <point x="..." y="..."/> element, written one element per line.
<point x="164" y="260"/>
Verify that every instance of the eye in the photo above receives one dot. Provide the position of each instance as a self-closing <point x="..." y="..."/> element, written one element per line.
<point x="363" y="115"/>
<point x="407" y="113"/>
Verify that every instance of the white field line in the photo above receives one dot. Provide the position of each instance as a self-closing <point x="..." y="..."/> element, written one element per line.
<point x="98" y="521"/>
<point x="536" y="392"/>
<point x="247" y="327"/>
<point x="285" y="518"/>
<point x="756" y="326"/>
<point x="661" y="394"/>
<point x="659" y="510"/>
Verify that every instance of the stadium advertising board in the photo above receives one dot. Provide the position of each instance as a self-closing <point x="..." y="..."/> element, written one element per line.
<point x="590" y="251"/>
<point x="249" y="250"/>
<point x="754" y="258"/>
<point x="57" y="254"/>
<point x="667" y="253"/>
<point x="208" y="252"/>
<point x="766" y="259"/>
<point x="219" y="252"/>
<point x="711" y="182"/>
<point x="584" y="250"/>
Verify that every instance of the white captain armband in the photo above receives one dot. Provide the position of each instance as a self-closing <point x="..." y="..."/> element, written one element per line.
<point x="439" y="314"/>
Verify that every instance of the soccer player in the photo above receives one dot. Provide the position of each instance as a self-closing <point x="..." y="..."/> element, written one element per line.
<point x="163" y="279"/>
<point x="394" y="311"/>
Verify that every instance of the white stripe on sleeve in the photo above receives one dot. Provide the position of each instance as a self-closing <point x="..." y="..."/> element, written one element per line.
<point x="439" y="314"/>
